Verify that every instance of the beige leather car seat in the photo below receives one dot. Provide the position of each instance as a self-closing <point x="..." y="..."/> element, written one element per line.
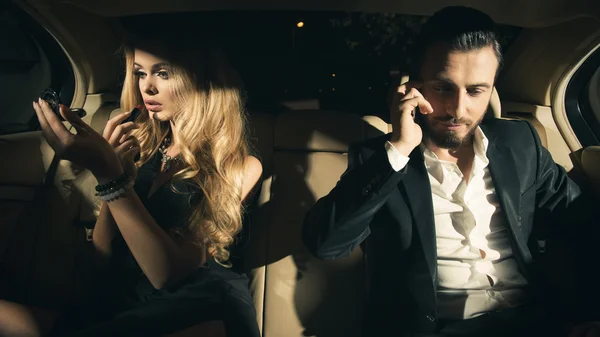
<point x="304" y="154"/>
<point x="295" y="293"/>
<point x="586" y="168"/>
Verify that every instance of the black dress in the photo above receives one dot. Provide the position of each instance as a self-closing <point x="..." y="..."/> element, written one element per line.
<point x="128" y="305"/>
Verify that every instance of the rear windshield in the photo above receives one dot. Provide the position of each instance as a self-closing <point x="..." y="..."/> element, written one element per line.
<point x="337" y="60"/>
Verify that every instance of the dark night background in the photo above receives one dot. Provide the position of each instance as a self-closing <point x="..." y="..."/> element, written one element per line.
<point x="347" y="61"/>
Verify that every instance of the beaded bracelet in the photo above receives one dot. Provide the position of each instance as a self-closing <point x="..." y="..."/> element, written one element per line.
<point x="116" y="194"/>
<point x="114" y="188"/>
<point x="120" y="180"/>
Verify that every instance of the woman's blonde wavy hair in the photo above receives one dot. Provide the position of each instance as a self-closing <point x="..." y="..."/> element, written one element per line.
<point x="211" y="131"/>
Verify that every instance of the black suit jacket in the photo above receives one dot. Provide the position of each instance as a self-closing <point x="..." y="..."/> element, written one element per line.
<point x="391" y="214"/>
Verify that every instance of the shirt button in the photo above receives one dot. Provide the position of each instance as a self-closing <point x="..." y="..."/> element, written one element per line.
<point x="366" y="190"/>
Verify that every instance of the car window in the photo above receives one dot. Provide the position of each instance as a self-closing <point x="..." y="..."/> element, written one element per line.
<point x="594" y="94"/>
<point x="582" y="101"/>
<point x="593" y="97"/>
<point x="31" y="61"/>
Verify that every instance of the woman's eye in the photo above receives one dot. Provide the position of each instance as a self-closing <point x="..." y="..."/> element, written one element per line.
<point x="139" y="74"/>
<point x="163" y="74"/>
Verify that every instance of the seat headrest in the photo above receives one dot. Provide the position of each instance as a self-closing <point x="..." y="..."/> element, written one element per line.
<point x="318" y="130"/>
<point x="494" y="109"/>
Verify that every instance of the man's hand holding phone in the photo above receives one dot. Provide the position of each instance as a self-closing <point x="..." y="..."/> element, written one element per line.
<point x="406" y="132"/>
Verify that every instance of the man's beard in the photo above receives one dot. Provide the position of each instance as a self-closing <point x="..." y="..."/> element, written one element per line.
<point x="449" y="139"/>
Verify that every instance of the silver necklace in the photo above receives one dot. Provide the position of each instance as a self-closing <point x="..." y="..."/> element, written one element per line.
<point x="166" y="159"/>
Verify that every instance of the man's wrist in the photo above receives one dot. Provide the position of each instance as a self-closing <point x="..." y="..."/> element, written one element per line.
<point x="402" y="147"/>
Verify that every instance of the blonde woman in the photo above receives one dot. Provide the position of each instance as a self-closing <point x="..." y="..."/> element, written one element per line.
<point x="168" y="220"/>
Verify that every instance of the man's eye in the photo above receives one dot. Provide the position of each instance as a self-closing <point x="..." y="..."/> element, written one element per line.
<point x="441" y="89"/>
<point x="475" y="92"/>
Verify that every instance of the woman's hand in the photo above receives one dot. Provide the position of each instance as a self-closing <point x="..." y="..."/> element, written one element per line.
<point x="87" y="148"/>
<point x="126" y="146"/>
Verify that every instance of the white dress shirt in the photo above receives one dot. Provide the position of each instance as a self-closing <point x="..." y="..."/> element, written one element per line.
<point x="476" y="269"/>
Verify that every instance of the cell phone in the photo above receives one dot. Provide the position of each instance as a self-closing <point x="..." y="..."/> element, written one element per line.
<point x="133" y="116"/>
<point x="53" y="100"/>
<point x="415" y="114"/>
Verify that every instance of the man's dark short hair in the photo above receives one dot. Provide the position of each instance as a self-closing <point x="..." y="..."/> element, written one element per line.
<point x="462" y="29"/>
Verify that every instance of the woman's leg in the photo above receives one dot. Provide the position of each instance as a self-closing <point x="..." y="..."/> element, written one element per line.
<point x="18" y="320"/>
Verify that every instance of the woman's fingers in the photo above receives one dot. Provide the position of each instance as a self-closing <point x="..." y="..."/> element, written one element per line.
<point x="120" y="131"/>
<point x="47" y="130"/>
<point x="75" y="120"/>
<point x="112" y="124"/>
<point x="132" y="152"/>
<point x="58" y="128"/>
<point x="127" y="144"/>
<point x="128" y="150"/>
<point x="128" y="134"/>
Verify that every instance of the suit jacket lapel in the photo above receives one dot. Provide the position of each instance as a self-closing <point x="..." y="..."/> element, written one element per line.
<point x="503" y="170"/>
<point x="416" y="188"/>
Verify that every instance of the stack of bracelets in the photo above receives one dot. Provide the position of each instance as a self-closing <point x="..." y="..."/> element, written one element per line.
<point x="114" y="189"/>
